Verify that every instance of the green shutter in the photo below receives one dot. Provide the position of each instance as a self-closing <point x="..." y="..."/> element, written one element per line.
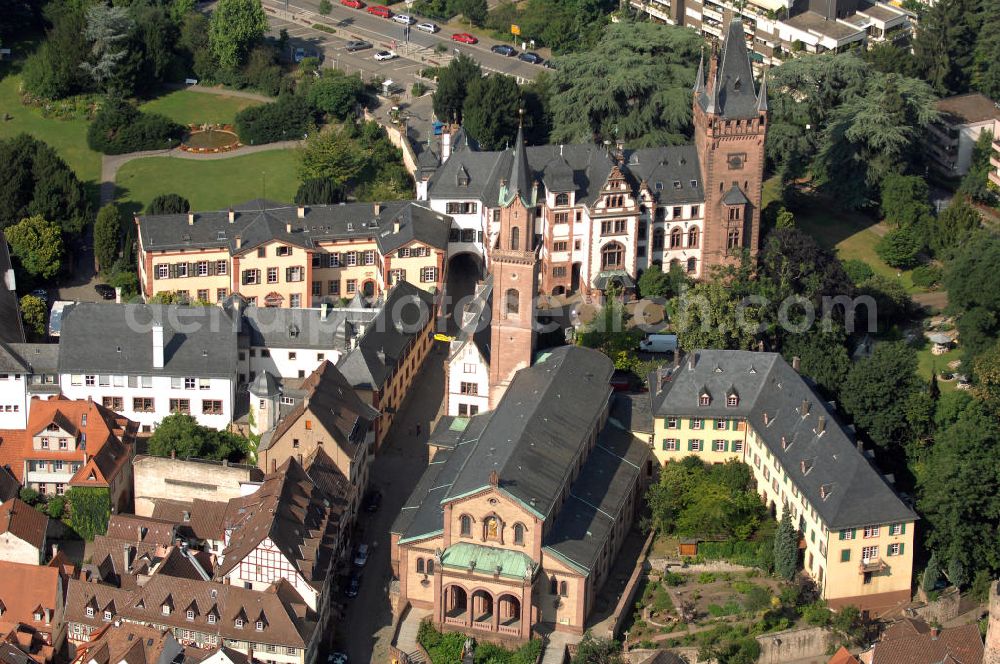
<point x="845" y="555"/>
<point x="726" y="448"/>
<point x="841" y="533"/>
<point x="902" y="547"/>
<point x="690" y="445"/>
<point x="904" y="529"/>
<point x="854" y="533"/>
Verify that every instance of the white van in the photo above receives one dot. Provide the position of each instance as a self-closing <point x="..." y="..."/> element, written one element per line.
<point x="659" y="343"/>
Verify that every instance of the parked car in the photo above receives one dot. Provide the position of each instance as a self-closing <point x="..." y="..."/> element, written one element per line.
<point x="300" y="55"/>
<point x="533" y="58"/>
<point x="428" y="27"/>
<point x="361" y="559"/>
<point x="357" y="45"/>
<point x="105" y="291"/>
<point x="504" y="49"/>
<point x="382" y="56"/>
<point x="464" y="37"/>
<point x="380" y="10"/>
<point x="620" y="382"/>
<point x="336" y="658"/>
<point x="353" y="586"/>
<point x="41" y="294"/>
<point x="405" y="19"/>
<point x="374" y="501"/>
<point x="353" y="4"/>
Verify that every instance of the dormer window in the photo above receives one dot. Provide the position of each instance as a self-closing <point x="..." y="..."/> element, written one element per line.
<point x="805" y="465"/>
<point x="38" y="616"/>
<point x="732" y="401"/>
<point x="190" y="614"/>
<point x="211" y="619"/>
<point x="166" y="609"/>
<point x="90" y="612"/>
<point x="107" y="615"/>
<point x="704" y="400"/>
<point x="260" y="625"/>
<point x="239" y="623"/>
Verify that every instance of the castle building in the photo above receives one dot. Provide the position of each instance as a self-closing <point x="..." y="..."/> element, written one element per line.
<point x="857" y="535"/>
<point x="599" y="215"/>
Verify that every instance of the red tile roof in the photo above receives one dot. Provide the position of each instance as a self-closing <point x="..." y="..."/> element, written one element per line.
<point x="843" y="656"/>
<point x="912" y="641"/>
<point x="30" y="590"/>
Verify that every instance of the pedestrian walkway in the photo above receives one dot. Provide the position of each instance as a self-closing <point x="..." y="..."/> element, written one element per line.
<point x="406" y="640"/>
<point x="555" y="648"/>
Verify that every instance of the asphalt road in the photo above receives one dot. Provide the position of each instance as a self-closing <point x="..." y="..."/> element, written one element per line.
<point x="417" y="49"/>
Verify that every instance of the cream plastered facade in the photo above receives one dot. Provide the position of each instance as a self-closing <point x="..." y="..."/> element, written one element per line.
<point x="270" y="264"/>
<point x="365" y="272"/>
<point x="875" y="572"/>
<point x="208" y="272"/>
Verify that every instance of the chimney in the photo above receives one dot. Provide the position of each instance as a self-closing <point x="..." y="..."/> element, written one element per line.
<point x="190" y="218"/>
<point x="301" y="212"/>
<point x="445" y="144"/>
<point x="820" y="424"/>
<point x="796" y="363"/>
<point x="935" y="632"/>
<point x="324" y="309"/>
<point x="692" y="361"/>
<point x="395" y="225"/>
<point x="378" y="208"/>
<point x="760" y="346"/>
<point x="232" y="215"/>
<point x="804" y="408"/>
<point x="173" y="454"/>
<point x="239" y="241"/>
<point x="157" y="346"/>
<point x="288" y="228"/>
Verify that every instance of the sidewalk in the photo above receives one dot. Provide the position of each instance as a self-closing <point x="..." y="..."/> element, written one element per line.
<point x="407" y="639"/>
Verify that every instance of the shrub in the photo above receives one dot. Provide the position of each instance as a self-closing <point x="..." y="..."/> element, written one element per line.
<point x="325" y="7"/>
<point x="757" y="599"/>
<point x="673" y="579"/>
<point x="751" y="553"/>
<point x="168" y="204"/>
<point x="926" y="276"/>
<point x="858" y="270"/>
<point x="323" y="27"/>
<point x="287" y="118"/>
<point x="90" y="509"/>
<point x="336" y="93"/>
<point x="319" y="191"/>
<point x="56" y="507"/>
<point x="120" y="127"/>
<point x="899" y="248"/>
<point x="28" y="495"/>
<point x="706" y="577"/>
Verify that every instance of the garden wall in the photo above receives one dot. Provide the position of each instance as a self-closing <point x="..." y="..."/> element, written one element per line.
<point x="943" y="609"/>
<point x="625" y="603"/>
<point x="793" y="644"/>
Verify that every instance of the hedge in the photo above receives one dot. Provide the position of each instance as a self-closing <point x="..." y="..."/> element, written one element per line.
<point x="289" y="118"/>
<point x="758" y="554"/>
<point x="119" y="128"/>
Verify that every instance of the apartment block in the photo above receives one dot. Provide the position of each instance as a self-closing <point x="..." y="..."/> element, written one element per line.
<point x="857" y="535"/>
<point x="953" y="137"/>
<point x="776" y="30"/>
<point x="276" y="255"/>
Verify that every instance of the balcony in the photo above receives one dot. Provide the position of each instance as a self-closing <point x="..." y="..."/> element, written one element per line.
<point x="871" y="566"/>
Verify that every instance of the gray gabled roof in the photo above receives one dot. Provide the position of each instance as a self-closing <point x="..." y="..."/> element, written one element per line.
<point x="11" y="329"/>
<point x="539" y="427"/>
<point x="732" y="94"/>
<point x="117" y="339"/>
<point x="381" y="347"/>
<point x="520" y="181"/>
<point x="477" y="329"/>
<point x="39" y="358"/>
<point x="823" y="461"/>
<point x="259" y="222"/>
<point x="10" y="361"/>
<point x="281" y="327"/>
<point x="735" y="196"/>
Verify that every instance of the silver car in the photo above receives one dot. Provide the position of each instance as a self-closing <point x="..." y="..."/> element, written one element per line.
<point x="404" y="19"/>
<point x="428" y="27"/>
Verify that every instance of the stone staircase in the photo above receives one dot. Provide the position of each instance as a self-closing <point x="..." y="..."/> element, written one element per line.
<point x="406" y="637"/>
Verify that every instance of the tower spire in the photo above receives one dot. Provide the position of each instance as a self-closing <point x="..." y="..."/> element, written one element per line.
<point x="699" y="81"/>
<point x="519" y="182"/>
<point x="762" y="95"/>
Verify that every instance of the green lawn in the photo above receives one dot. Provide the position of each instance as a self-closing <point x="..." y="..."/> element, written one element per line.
<point x="68" y="137"/>
<point x="189" y="107"/>
<point x="848" y="233"/>
<point x="211" y="184"/>
<point x="927" y="362"/>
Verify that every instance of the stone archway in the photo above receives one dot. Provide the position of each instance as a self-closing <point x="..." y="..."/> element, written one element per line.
<point x="456" y="602"/>
<point x="482" y="607"/>
<point x="509" y="610"/>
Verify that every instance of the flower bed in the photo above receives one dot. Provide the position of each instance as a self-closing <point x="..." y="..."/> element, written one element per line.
<point x="209" y="139"/>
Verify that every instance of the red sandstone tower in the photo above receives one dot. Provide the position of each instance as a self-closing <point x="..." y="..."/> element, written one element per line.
<point x="730" y="122"/>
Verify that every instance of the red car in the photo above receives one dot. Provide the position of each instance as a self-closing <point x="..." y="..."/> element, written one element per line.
<point x="353" y="4"/>
<point x="380" y="10"/>
<point x="464" y="37"/>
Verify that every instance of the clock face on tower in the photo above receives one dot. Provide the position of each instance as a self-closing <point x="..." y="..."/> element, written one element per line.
<point x="735" y="161"/>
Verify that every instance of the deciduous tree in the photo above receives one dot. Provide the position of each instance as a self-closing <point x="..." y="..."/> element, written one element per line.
<point x="38" y="245"/>
<point x="35" y="313"/>
<point x="181" y="434"/>
<point x="453" y="86"/>
<point x="168" y="204"/>
<point x="876" y="389"/>
<point x="107" y="236"/>
<point x="490" y="111"/>
<point x="236" y="26"/>
<point x="333" y="155"/>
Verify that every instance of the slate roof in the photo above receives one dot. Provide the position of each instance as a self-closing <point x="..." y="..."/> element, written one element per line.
<point x="24" y="522"/>
<point x="476" y="323"/>
<point x="910" y="642"/>
<point x="280" y="327"/>
<point x="633" y="412"/>
<point x="38" y="358"/>
<point x="732" y="95"/>
<point x="855" y="492"/>
<point x="10" y="361"/>
<point x="10" y="487"/>
<point x="331" y="400"/>
<point x="520" y="181"/>
<point x="735" y="197"/>
<point x="264" y="385"/>
<point x="118" y="339"/>
<point x="386" y="338"/>
<point x="538" y="428"/>
<point x="260" y="222"/>
<point x="11" y="328"/>
<point x="597" y="498"/>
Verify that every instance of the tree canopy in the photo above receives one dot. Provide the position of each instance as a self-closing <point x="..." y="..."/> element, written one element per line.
<point x="181" y="434"/>
<point x="453" y="86"/>
<point x="596" y="94"/>
<point x="38" y="246"/>
<point x="490" y="111"/>
<point x="107" y="236"/>
<point x="876" y="391"/>
<point x="236" y="25"/>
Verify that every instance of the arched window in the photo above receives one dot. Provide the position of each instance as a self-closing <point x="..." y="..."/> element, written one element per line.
<point x="676" y="238"/>
<point x="430" y="566"/>
<point x="465" y="525"/>
<point x="692" y="265"/>
<point x="562" y="199"/>
<point x="512" y="302"/>
<point x="518" y="534"/>
<point x="515" y="238"/>
<point x="658" y="238"/>
<point x="420" y="565"/>
<point x="553" y="586"/>
<point x="562" y="589"/>
<point x="693" y="236"/>
<point x="612" y="256"/>
<point x="491" y="528"/>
